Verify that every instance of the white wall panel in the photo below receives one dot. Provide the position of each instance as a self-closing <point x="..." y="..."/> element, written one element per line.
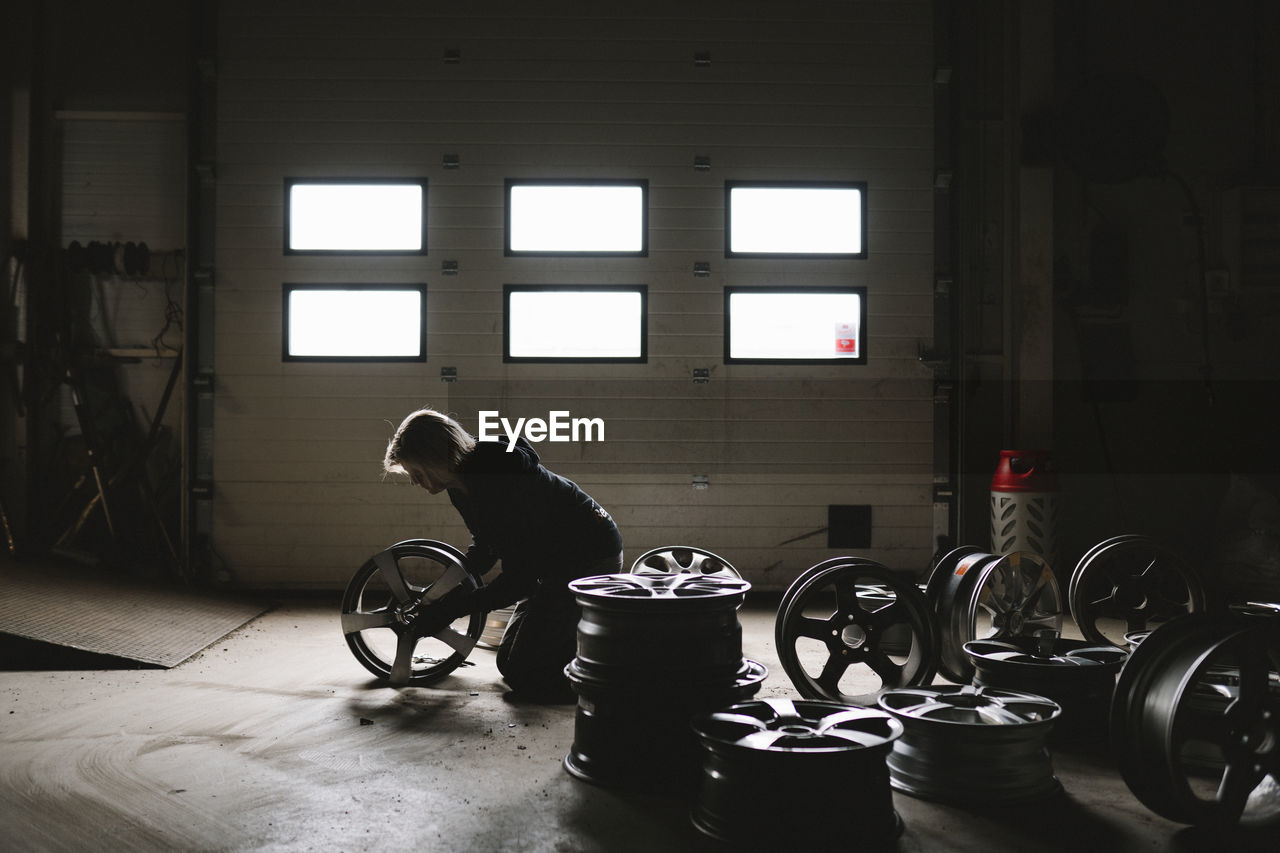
<point x="797" y="91"/>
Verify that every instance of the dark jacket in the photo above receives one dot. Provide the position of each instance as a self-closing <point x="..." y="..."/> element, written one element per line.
<point x="541" y="525"/>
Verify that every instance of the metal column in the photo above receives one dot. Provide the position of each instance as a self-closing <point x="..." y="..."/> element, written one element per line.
<point x="199" y="363"/>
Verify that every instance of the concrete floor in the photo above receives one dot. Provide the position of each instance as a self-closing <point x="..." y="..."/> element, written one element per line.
<point x="274" y="738"/>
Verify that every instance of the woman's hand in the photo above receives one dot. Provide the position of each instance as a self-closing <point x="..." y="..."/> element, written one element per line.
<point x="435" y="617"/>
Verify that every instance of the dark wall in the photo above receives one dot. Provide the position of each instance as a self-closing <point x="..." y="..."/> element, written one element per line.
<point x="15" y="61"/>
<point x="1166" y="355"/>
<point x="130" y="55"/>
<point x="60" y="56"/>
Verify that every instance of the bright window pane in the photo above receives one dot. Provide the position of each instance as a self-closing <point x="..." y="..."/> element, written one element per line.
<point x="797" y="325"/>
<point x="350" y="217"/>
<point x="357" y="323"/>
<point x="784" y="220"/>
<point x="586" y="324"/>
<point x="576" y="218"/>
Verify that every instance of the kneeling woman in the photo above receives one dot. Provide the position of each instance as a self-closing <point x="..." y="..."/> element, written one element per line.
<point x="543" y="527"/>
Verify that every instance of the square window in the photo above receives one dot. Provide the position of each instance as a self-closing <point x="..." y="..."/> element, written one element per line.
<point x="798" y="219"/>
<point x="355" y="216"/>
<point x="814" y="325"/>
<point x="575" y="323"/>
<point x="577" y="217"/>
<point x="355" y="322"/>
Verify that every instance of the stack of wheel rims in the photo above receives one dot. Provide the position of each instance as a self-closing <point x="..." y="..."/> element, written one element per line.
<point x="654" y="650"/>
<point x="1195" y="721"/>
<point x="849" y="628"/>
<point x="816" y="769"/>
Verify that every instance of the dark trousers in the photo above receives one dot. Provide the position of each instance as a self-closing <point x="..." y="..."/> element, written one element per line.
<point x="542" y="637"/>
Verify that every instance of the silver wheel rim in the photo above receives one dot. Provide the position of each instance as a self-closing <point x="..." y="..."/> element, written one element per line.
<point x="991" y="597"/>
<point x="382" y="599"/>
<point x="680" y="559"/>
<point x="971" y="745"/>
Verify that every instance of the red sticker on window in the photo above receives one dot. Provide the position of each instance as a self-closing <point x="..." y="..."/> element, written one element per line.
<point x="846" y="339"/>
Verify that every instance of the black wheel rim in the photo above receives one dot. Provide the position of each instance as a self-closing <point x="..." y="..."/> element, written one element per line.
<point x="659" y="630"/>
<point x="652" y="590"/>
<point x="1076" y="674"/>
<point x="1022" y="654"/>
<point x="1195" y="722"/>
<point x="799" y="583"/>
<point x="780" y="725"/>
<point x="1129" y="584"/>
<point x="384" y="596"/>
<point x="796" y="775"/>
<point x="832" y="634"/>
<point x="942" y="572"/>
<point x="630" y="735"/>
<point x="953" y="574"/>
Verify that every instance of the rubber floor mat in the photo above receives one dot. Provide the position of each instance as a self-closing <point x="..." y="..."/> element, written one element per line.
<point x="94" y="612"/>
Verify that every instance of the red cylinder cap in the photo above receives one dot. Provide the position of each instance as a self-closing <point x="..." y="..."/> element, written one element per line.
<point x="1024" y="471"/>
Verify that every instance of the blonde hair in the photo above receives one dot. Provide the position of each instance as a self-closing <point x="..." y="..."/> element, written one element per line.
<point x="430" y="439"/>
